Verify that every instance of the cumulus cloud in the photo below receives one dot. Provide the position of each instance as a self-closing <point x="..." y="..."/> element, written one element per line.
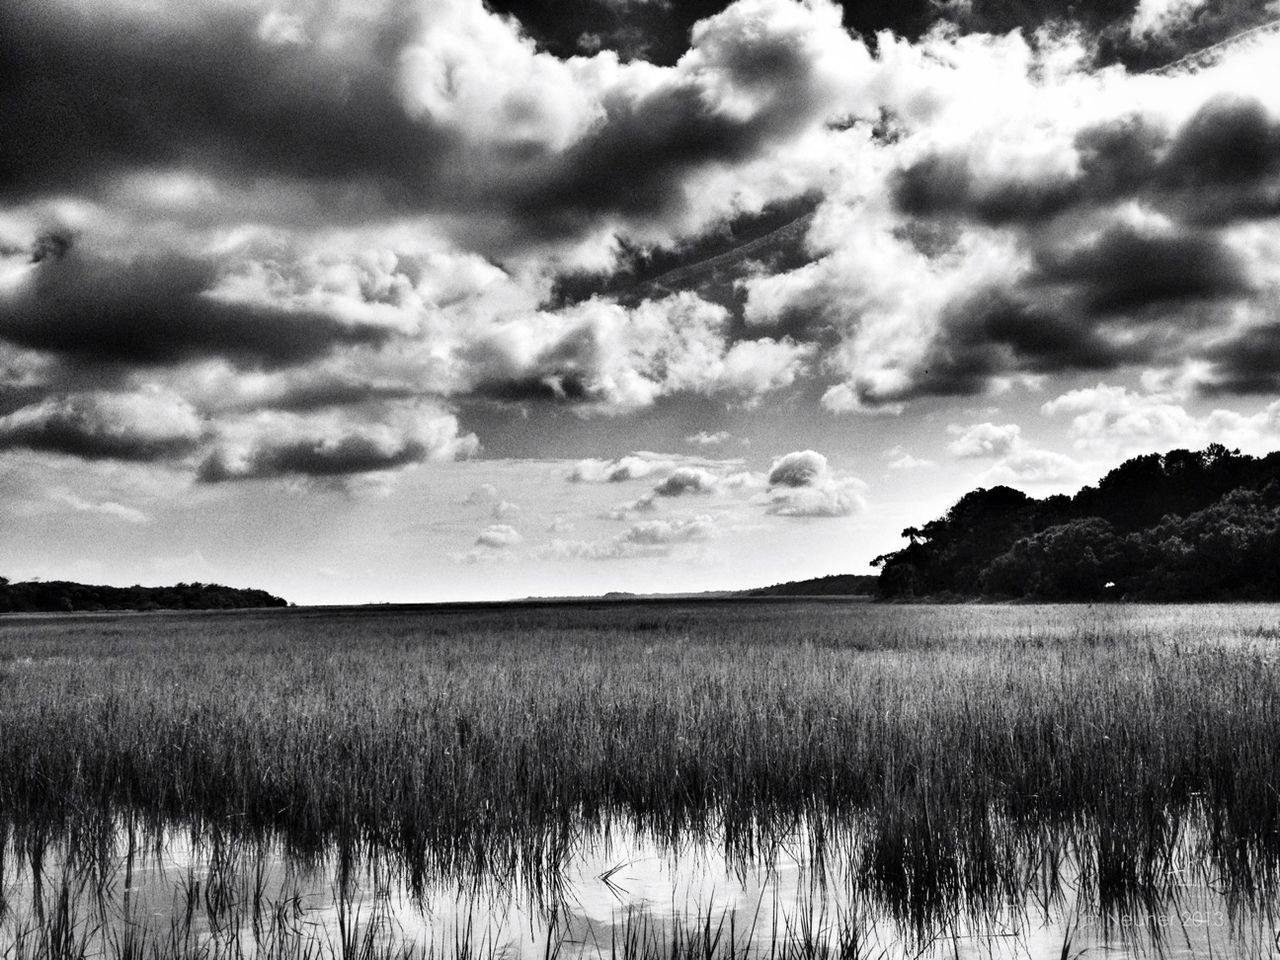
<point x="1160" y="16"/>
<point x="704" y="439"/>
<point x="160" y="310"/>
<point x="645" y="503"/>
<point x="1033" y="465"/>
<point x="646" y="538"/>
<point x="634" y="466"/>
<point x="95" y="426"/>
<point x="984" y="439"/>
<point x="901" y="459"/>
<point x="331" y="446"/>
<point x="641" y="465"/>
<point x="802" y="484"/>
<point x="1016" y="461"/>
<point x="499" y="536"/>
<point x="686" y="480"/>
<point x="486" y="493"/>
<point x="1114" y="420"/>
<point x="1091" y="221"/>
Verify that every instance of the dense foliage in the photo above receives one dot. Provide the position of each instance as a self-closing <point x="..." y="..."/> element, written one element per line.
<point x="61" y="596"/>
<point x="1177" y="526"/>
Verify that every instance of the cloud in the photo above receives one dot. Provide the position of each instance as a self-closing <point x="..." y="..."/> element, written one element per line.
<point x="1126" y="269"/>
<point x="1109" y="417"/>
<point x="686" y="480"/>
<point x="901" y="459"/>
<point x="645" y="503"/>
<point x="486" y="493"/>
<point x="1033" y="465"/>
<point x="1162" y="16"/>
<point x="704" y="439"/>
<point x="984" y="440"/>
<point x="646" y="538"/>
<point x="604" y="357"/>
<point x="802" y="484"/>
<point x="105" y="508"/>
<point x="161" y="309"/>
<point x="1016" y="461"/>
<point x="758" y="73"/>
<point x="331" y="446"/>
<point x="634" y="466"/>
<point x="290" y="110"/>
<point x="1091" y="221"/>
<point x="98" y="426"/>
<point x="1116" y="421"/>
<point x="1245" y="360"/>
<point x="499" y="536"/>
<point x="504" y="508"/>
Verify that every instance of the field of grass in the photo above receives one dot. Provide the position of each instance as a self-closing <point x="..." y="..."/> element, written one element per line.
<point x="951" y="759"/>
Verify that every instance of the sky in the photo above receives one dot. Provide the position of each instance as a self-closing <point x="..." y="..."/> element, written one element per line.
<point x="426" y="300"/>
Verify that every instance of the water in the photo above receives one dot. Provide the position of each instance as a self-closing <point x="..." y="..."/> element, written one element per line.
<point x="621" y="892"/>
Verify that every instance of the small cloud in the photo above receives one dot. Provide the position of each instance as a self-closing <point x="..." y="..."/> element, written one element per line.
<point x="685" y="480"/>
<point x="105" y="508"/>
<point x="802" y="484"/>
<point x="499" y="536"/>
<point x="704" y="439"/>
<point x="1032" y="465"/>
<point x="504" y="508"/>
<point x="647" y="538"/>
<point x="900" y="459"/>
<point x="279" y="29"/>
<point x="654" y="532"/>
<point x="485" y="493"/>
<point x="635" y="466"/>
<point x="623" y="511"/>
<point x="1016" y="461"/>
<point x="984" y="440"/>
<point x="560" y="525"/>
<point x="799" y="469"/>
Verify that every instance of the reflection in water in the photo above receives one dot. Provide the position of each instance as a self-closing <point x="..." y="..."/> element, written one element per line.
<point x="620" y="893"/>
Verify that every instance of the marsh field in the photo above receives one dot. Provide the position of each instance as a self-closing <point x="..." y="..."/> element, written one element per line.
<point x="783" y="779"/>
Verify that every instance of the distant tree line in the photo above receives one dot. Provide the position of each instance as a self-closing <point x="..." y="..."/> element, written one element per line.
<point x="54" y="596"/>
<point x="1182" y="525"/>
<point x="835" y="585"/>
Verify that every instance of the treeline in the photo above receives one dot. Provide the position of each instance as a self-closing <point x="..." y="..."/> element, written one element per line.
<point x="62" y="596"/>
<point x="1183" y="525"/>
<point x="835" y="585"/>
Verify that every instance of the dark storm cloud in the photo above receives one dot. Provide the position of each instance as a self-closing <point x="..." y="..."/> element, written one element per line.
<point x="350" y="454"/>
<point x="155" y="311"/>
<point x="940" y="185"/>
<point x="551" y="388"/>
<point x="997" y="332"/>
<point x="1248" y="362"/>
<point x="634" y="162"/>
<point x="325" y="392"/>
<point x="1125" y="269"/>
<point x="1222" y="165"/>
<point x="102" y="427"/>
<point x="85" y="98"/>
<point x="1092" y="307"/>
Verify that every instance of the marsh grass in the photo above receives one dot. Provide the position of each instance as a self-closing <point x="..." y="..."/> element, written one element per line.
<point x="950" y="760"/>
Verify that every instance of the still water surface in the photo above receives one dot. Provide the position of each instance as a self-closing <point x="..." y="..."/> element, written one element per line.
<point x="621" y="893"/>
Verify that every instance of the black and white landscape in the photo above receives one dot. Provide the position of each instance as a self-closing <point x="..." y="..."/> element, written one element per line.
<point x="639" y="478"/>
<point x="437" y="300"/>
